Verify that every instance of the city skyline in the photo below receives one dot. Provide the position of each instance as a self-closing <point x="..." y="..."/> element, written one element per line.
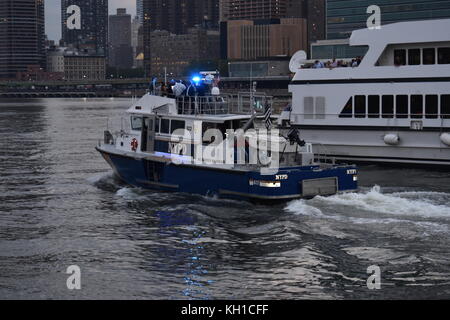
<point x="53" y="15"/>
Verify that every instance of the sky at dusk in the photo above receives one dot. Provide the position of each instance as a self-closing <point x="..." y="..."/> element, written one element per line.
<point x="53" y="14"/>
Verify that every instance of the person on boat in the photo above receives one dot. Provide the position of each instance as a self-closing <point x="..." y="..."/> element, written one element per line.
<point x="318" y="65"/>
<point x="191" y="90"/>
<point x="169" y="90"/>
<point x="178" y="89"/>
<point x="163" y="89"/>
<point x="333" y="64"/>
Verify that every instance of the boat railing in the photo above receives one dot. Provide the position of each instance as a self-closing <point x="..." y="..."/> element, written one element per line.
<point x="321" y="155"/>
<point x="209" y="105"/>
<point x="242" y="103"/>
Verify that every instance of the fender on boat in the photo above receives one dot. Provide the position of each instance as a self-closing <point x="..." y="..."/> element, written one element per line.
<point x="445" y="138"/>
<point x="392" y="139"/>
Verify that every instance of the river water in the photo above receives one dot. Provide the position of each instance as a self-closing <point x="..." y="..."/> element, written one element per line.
<point x="60" y="205"/>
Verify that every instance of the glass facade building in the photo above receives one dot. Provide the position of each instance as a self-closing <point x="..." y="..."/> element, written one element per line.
<point x="22" y="37"/>
<point x="345" y="16"/>
<point x="92" y="38"/>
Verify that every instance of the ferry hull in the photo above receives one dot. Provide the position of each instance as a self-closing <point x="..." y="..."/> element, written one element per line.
<point x="294" y="183"/>
<point x="368" y="146"/>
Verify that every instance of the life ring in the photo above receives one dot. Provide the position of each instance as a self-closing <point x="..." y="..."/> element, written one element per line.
<point x="134" y="144"/>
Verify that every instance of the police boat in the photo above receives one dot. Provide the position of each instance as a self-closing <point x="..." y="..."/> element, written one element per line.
<point x="220" y="146"/>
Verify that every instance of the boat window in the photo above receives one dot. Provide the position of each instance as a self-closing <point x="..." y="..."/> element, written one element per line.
<point x="429" y="56"/>
<point x="445" y="106"/>
<point x="388" y="106"/>
<point x="347" y="112"/>
<point x="402" y="107"/>
<point x="444" y="55"/>
<point x="417" y="106"/>
<point x="431" y="106"/>
<point x="360" y="106"/>
<point x="157" y="125"/>
<point x="414" y="57"/>
<point x="309" y="107"/>
<point x="374" y="106"/>
<point x="177" y="124"/>
<point x="165" y="126"/>
<point x="400" y="57"/>
<point x="320" y="108"/>
<point x="136" y="123"/>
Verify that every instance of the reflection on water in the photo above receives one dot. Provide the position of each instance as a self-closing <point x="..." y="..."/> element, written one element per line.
<point x="60" y="205"/>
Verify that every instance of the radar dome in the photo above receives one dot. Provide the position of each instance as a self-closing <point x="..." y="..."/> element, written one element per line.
<point x="297" y="61"/>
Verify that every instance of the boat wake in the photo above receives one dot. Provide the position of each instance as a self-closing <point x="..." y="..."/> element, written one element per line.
<point x="425" y="209"/>
<point x="106" y="181"/>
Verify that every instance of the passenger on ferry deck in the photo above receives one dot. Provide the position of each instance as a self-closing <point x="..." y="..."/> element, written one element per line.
<point x="333" y="64"/>
<point x="318" y="65"/>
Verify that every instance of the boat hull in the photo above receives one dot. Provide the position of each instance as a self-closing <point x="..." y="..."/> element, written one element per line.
<point x="368" y="146"/>
<point x="287" y="184"/>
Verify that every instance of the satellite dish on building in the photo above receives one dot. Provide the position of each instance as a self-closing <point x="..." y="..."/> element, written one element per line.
<point x="297" y="60"/>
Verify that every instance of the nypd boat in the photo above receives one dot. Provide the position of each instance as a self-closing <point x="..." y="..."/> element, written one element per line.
<point x="220" y="146"/>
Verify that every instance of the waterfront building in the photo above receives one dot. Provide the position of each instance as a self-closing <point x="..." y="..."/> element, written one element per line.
<point x="22" y="36"/>
<point x="176" y="17"/>
<point x="172" y="55"/>
<point x="345" y="16"/>
<point x="92" y="36"/>
<point x="121" y="51"/>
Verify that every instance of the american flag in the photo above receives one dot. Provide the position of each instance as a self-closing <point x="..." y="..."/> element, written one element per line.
<point x="267" y="117"/>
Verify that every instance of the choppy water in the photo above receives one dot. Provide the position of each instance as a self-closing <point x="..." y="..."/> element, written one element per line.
<point x="60" y="205"/>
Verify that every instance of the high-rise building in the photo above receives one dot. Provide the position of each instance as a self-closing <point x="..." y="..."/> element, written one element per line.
<point x="173" y="55"/>
<point x="177" y="17"/>
<point x="315" y="13"/>
<point x="345" y="16"/>
<point x="258" y="9"/>
<point x="121" y="51"/>
<point x="92" y="35"/>
<point x="22" y="36"/>
<point x="253" y="39"/>
<point x="140" y="10"/>
<point x="260" y="29"/>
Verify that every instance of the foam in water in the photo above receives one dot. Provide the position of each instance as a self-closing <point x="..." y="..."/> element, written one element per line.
<point x="375" y="201"/>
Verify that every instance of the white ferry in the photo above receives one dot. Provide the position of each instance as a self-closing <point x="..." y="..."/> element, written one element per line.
<point x="392" y="108"/>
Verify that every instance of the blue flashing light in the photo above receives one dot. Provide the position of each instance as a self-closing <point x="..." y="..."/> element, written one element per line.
<point x="196" y="79"/>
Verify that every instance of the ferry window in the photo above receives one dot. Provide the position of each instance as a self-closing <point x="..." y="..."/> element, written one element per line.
<point x="165" y="126"/>
<point x="417" y="106"/>
<point x="177" y="124"/>
<point x="402" y="107"/>
<point x="320" y="108"/>
<point x="400" y="57"/>
<point x="388" y="106"/>
<point x="374" y="106"/>
<point x="431" y="106"/>
<point x="347" y="112"/>
<point x="445" y="106"/>
<point x="444" y="55"/>
<point x="414" y="57"/>
<point x="136" y="123"/>
<point x="360" y="106"/>
<point x="429" y="56"/>
<point x="309" y="107"/>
